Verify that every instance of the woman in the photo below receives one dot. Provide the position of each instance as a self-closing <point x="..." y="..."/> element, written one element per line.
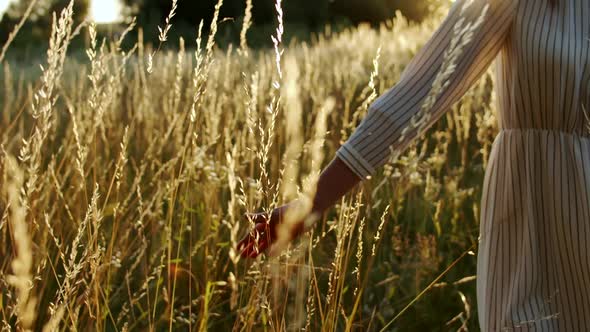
<point x="533" y="265"/>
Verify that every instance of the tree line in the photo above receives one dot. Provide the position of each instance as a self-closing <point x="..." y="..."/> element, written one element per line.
<point x="306" y="15"/>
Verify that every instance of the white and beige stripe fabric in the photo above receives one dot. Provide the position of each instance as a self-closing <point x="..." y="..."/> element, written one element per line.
<point x="533" y="270"/>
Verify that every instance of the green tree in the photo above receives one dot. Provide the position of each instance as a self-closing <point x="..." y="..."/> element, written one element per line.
<point x="38" y="26"/>
<point x="154" y="11"/>
<point x="311" y="12"/>
<point x="375" y="11"/>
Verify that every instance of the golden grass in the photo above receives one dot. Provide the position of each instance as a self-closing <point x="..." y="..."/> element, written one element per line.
<point x="136" y="165"/>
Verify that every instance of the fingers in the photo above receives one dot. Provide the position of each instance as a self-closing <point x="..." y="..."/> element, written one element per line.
<point x="258" y="239"/>
<point x="257" y="250"/>
<point x="255" y="242"/>
<point x="264" y="233"/>
<point x="247" y="250"/>
<point x="253" y="249"/>
<point x="258" y="227"/>
<point x="243" y="243"/>
<point x="247" y="239"/>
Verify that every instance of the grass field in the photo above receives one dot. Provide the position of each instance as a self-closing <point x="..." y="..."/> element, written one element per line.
<point x="125" y="176"/>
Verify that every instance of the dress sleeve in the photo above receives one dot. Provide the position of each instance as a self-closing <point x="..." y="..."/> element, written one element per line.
<point x="378" y="134"/>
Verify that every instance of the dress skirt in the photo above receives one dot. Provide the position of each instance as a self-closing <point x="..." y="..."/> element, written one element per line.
<point x="533" y="269"/>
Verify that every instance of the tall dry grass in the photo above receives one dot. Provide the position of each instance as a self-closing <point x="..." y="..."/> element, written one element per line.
<point x="125" y="177"/>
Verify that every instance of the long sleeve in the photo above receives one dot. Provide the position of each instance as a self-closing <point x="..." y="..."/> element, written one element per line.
<point x="370" y="145"/>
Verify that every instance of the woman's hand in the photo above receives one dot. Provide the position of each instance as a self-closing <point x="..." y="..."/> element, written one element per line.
<point x="264" y="234"/>
<point x="335" y="181"/>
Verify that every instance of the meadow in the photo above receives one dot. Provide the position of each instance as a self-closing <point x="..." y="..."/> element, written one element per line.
<point x="126" y="174"/>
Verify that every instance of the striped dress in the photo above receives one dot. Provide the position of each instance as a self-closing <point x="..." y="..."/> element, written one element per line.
<point x="533" y="263"/>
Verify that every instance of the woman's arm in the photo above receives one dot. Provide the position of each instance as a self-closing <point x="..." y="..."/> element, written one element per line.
<point x="335" y="181"/>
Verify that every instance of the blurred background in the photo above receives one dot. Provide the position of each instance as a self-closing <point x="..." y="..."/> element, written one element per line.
<point x="302" y="18"/>
<point x="114" y="163"/>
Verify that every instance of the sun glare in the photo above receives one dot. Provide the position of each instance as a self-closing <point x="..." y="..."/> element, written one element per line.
<point x="3" y="6"/>
<point x="105" y="11"/>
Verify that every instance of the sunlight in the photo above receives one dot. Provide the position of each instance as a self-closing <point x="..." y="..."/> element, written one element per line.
<point x="104" y="11"/>
<point x="3" y="5"/>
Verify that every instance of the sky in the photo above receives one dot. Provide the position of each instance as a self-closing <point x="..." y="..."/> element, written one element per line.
<point x="102" y="11"/>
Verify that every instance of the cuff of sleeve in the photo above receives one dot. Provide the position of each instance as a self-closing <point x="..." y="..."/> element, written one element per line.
<point x="355" y="161"/>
